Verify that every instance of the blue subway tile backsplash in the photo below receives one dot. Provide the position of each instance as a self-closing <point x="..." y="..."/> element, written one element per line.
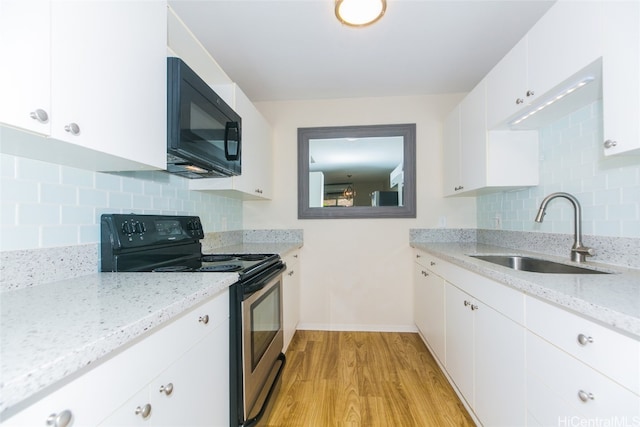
<point x="48" y="205"/>
<point x="572" y="160"/>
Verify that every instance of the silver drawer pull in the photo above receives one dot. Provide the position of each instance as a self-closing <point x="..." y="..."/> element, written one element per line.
<point x="72" y="128"/>
<point x="204" y="319"/>
<point x="584" y="340"/>
<point x="144" y="411"/>
<point x="167" y="389"/>
<point x="39" y="115"/>
<point x="584" y="396"/>
<point x="63" y="419"/>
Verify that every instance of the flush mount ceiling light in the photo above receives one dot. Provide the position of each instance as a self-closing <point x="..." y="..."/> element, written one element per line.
<point x="360" y="13"/>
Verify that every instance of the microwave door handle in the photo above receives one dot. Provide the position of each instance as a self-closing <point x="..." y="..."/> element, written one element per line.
<point x="227" y="130"/>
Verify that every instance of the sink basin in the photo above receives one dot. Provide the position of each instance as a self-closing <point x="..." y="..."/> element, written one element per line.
<point x="535" y="265"/>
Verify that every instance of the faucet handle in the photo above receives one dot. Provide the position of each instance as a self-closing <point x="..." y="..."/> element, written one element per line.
<point x="579" y="253"/>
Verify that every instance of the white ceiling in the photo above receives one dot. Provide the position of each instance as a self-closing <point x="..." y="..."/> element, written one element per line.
<point x="297" y="49"/>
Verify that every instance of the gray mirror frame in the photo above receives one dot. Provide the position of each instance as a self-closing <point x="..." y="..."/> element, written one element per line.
<point x="407" y="131"/>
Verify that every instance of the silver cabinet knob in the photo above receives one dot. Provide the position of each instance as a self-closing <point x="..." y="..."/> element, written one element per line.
<point x="290" y="273"/>
<point x="474" y="307"/>
<point x="584" y="396"/>
<point x="609" y="143"/>
<point x="519" y="101"/>
<point x="144" y="411"/>
<point x="204" y="319"/>
<point x="72" y="128"/>
<point x="40" y="115"/>
<point x="424" y="273"/>
<point x="63" y="419"/>
<point x="458" y="188"/>
<point x="467" y="303"/>
<point x="167" y="389"/>
<point x="530" y="93"/>
<point x="258" y="190"/>
<point x="584" y="340"/>
<point x="431" y="263"/>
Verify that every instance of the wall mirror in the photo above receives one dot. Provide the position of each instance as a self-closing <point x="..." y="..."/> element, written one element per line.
<point x="357" y="172"/>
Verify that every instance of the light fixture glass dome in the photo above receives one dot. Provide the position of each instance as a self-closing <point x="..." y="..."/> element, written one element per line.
<point x="358" y="13"/>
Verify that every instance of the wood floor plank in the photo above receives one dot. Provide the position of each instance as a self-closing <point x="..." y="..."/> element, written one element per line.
<point x="358" y="379"/>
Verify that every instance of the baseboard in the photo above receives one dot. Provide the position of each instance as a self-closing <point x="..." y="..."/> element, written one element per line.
<point x="356" y="327"/>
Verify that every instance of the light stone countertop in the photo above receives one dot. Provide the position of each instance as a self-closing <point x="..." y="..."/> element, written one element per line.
<point x="55" y="331"/>
<point x="610" y="299"/>
<point x="52" y="331"/>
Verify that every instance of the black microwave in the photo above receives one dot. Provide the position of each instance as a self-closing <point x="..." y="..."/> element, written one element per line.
<point x="204" y="134"/>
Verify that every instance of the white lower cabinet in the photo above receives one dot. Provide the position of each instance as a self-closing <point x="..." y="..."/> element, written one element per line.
<point x="189" y="392"/>
<point x="428" y="309"/>
<point x="291" y="297"/>
<point x="485" y="359"/>
<point x="191" y="353"/>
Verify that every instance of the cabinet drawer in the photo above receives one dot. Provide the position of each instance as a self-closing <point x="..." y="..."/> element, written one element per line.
<point x="556" y="380"/>
<point x="607" y="351"/>
<point x="428" y="261"/>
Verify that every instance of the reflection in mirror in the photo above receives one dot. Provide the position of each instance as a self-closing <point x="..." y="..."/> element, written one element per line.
<point x="356" y="172"/>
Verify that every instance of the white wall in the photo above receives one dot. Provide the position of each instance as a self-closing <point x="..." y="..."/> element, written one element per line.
<point x="346" y="260"/>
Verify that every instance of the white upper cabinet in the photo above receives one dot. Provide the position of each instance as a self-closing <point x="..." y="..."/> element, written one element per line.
<point x="507" y="85"/>
<point x="25" y="45"/>
<point x="477" y="161"/>
<point x="103" y="99"/>
<point x="565" y="40"/>
<point x="451" y="152"/>
<point x="621" y="77"/>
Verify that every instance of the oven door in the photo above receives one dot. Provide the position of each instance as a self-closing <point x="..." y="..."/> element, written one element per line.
<point x="263" y="340"/>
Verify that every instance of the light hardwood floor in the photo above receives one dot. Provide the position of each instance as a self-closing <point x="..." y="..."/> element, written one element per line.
<point x="359" y="379"/>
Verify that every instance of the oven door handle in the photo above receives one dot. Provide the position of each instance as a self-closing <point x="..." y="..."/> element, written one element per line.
<point x="261" y="281"/>
<point x="252" y="421"/>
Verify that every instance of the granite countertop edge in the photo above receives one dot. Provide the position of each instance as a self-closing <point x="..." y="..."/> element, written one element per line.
<point x="19" y="386"/>
<point x="531" y="284"/>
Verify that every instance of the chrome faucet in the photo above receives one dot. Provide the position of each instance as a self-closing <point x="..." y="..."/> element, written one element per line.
<point x="579" y="252"/>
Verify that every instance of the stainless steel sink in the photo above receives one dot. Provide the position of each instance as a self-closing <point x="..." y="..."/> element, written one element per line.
<point x="535" y="265"/>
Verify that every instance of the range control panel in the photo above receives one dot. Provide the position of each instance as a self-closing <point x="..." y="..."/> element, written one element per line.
<point x="123" y="231"/>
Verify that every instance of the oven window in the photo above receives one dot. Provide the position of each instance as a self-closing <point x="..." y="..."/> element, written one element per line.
<point x="265" y="323"/>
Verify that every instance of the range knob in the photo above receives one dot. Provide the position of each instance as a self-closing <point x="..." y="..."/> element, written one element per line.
<point x="139" y="227"/>
<point x="127" y="228"/>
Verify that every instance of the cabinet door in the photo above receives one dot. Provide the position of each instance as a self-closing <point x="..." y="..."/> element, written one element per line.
<point x="194" y="391"/>
<point x="451" y="152"/>
<point x="291" y="297"/>
<point x="566" y="39"/>
<point x="25" y="47"/>
<point x="620" y="81"/>
<point x="507" y="85"/>
<point x="429" y="309"/>
<point x="459" y="340"/>
<point x="109" y="77"/>
<point x="473" y="138"/>
<point x="137" y="411"/>
<point x="499" y="369"/>
<point x="257" y="152"/>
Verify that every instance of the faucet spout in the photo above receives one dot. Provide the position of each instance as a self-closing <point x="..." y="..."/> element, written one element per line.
<point x="579" y="252"/>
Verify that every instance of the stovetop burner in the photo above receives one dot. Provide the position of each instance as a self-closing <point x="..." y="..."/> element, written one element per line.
<point x="221" y="268"/>
<point x="171" y="269"/>
<point x="217" y="258"/>
<point x="253" y="257"/>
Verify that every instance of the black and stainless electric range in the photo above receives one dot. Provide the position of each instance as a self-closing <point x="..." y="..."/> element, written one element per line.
<point x="166" y="244"/>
